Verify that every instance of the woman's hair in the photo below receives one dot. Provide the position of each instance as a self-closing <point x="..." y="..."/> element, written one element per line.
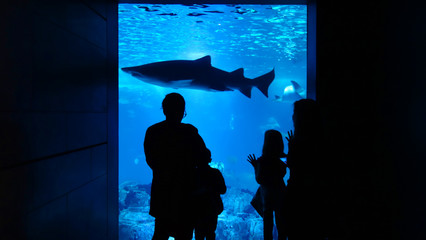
<point x="307" y="117"/>
<point x="273" y="144"/>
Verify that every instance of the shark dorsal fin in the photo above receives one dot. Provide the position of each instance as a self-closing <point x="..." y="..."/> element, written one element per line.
<point x="206" y="60"/>
<point x="239" y="72"/>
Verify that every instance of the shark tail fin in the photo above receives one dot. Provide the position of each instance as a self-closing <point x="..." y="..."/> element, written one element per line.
<point x="263" y="82"/>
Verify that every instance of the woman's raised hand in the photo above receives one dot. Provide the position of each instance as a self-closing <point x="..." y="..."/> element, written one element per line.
<point x="290" y="137"/>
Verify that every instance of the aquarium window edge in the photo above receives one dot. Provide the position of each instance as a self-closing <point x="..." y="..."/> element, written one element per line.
<point x="273" y="2"/>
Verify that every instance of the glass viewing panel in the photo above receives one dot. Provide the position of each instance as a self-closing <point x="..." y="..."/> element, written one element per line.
<point x="257" y="38"/>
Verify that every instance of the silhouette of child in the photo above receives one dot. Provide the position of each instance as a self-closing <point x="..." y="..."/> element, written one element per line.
<point x="270" y="171"/>
<point x="208" y="204"/>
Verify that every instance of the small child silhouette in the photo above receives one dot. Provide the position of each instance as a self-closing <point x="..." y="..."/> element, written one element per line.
<point x="270" y="171"/>
<point x="208" y="204"/>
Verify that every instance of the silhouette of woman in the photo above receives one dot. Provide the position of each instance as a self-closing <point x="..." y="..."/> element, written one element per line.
<point x="270" y="171"/>
<point x="305" y="160"/>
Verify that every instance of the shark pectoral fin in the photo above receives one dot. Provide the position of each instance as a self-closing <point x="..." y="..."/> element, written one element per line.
<point x="204" y="61"/>
<point x="220" y="88"/>
<point x="180" y="84"/>
<point x="246" y="91"/>
<point x="238" y="73"/>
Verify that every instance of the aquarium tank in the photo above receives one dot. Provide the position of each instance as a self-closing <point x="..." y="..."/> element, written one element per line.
<point x="243" y="44"/>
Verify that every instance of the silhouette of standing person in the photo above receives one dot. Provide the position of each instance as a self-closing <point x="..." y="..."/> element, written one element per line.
<point x="270" y="171"/>
<point x="210" y="185"/>
<point x="172" y="150"/>
<point x="305" y="161"/>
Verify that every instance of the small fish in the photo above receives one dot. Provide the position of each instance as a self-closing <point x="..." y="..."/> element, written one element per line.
<point x="213" y="12"/>
<point x="195" y="6"/>
<point x="147" y="9"/>
<point x="244" y="11"/>
<point x="167" y="14"/>
<point x="195" y="14"/>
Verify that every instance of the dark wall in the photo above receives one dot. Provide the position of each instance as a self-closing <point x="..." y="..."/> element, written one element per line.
<point x="54" y="106"/>
<point x="58" y="117"/>
<point x="371" y="84"/>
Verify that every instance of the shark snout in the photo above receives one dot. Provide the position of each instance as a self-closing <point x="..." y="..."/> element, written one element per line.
<point x="126" y="69"/>
<point x="133" y="71"/>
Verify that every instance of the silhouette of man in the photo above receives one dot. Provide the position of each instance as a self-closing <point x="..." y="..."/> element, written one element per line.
<point x="172" y="150"/>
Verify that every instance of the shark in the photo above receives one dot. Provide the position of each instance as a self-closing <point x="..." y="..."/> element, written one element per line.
<point x="291" y="93"/>
<point x="199" y="74"/>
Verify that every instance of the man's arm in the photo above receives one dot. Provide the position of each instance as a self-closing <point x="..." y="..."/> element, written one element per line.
<point x="148" y="147"/>
<point x="219" y="182"/>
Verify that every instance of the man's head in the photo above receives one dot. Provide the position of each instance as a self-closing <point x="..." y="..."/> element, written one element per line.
<point x="174" y="107"/>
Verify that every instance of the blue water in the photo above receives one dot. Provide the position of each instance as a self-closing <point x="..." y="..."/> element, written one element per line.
<point x="258" y="38"/>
